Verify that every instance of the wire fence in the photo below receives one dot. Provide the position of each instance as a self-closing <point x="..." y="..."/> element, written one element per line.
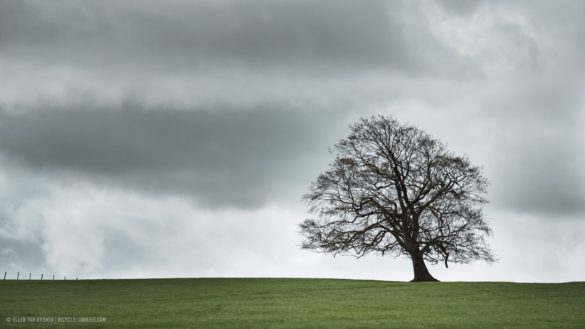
<point x="29" y="276"/>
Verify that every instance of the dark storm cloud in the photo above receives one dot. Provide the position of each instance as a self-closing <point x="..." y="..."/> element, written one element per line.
<point x="221" y="156"/>
<point x="182" y="36"/>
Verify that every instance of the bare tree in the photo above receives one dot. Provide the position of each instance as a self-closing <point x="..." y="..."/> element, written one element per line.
<point x="394" y="190"/>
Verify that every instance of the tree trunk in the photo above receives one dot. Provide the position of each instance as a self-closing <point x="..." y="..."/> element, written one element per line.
<point x="421" y="273"/>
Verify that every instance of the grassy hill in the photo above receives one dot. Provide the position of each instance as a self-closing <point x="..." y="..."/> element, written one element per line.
<point x="289" y="303"/>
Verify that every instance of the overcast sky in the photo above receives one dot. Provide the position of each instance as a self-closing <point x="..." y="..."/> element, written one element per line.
<point x="176" y="138"/>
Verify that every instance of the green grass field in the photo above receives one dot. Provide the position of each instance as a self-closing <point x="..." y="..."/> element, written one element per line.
<point x="290" y="303"/>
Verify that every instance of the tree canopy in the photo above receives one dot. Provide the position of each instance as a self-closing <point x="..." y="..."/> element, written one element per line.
<point x="395" y="190"/>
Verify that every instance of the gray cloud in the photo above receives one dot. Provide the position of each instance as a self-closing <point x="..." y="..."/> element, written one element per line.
<point x="222" y="157"/>
<point x="463" y="7"/>
<point x="182" y="36"/>
<point x="195" y="53"/>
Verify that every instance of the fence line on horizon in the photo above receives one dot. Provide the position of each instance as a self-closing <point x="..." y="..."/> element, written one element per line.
<point x="30" y="276"/>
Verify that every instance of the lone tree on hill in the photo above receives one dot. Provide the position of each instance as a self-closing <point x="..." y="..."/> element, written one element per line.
<point x="393" y="189"/>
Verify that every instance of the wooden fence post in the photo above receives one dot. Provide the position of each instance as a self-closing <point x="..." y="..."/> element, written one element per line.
<point x="29" y="275"/>
<point x="5" y="275"/>
<point x="17" y="275"/>
<point x="41" y="276"/>
<point x="53" y="276"/>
